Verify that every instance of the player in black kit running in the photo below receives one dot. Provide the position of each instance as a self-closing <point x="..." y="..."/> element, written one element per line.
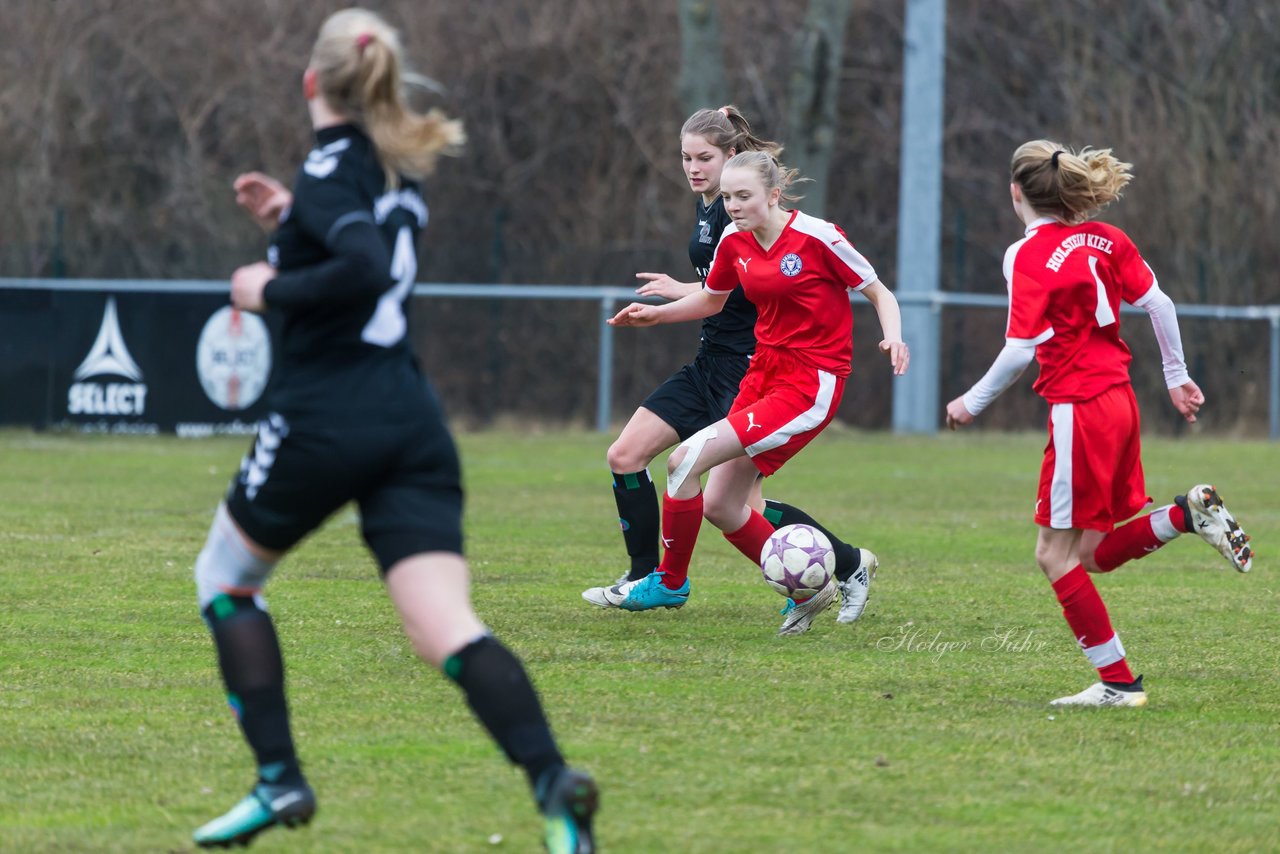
<point x="700" y="393"/>
<point x="353" y="419"/>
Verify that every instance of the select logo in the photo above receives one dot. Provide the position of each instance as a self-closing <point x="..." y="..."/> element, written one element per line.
<point x="108" y="357"/>
<point x="233" y="358"/>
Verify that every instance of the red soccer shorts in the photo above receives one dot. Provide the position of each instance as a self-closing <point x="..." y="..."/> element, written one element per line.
<point x="781" y="406"/>
<point x="1092" y="472"/>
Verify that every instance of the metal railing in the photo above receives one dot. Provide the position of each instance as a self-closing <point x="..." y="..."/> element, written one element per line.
<point x="611" y="297"/>
<point x="937" y="300"/>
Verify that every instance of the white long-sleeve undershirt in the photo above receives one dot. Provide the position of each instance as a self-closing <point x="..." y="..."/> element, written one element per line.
<point x="1164" y="320"/>
<point x="1014" y="359"/>
<point x="1010" y="362"/>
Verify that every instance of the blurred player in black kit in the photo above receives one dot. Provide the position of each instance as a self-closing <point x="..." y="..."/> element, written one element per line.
<point x="353" y="419"/>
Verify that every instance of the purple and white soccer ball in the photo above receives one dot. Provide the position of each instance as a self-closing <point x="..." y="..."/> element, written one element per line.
<point x="797" y="561"/>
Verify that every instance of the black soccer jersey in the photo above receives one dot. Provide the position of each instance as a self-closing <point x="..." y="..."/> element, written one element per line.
<point x="732" y="330"/>
<point x="347" y="261"/>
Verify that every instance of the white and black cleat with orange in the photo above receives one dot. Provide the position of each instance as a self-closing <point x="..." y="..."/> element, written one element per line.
<point x="1211" y="519"/>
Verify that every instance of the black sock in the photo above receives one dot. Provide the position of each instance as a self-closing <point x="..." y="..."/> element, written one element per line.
<point x="847" y="556"/>
<point x="639" y="516"/>
<point x="499" y="692"/>
<point x="1135" y="685"/>
<point x="253" y="672"/>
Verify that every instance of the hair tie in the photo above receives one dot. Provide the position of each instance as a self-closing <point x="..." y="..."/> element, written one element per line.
<point x="1054" y="159"/>
<point x="362" y="41"/>
<point x="724" y="111"/>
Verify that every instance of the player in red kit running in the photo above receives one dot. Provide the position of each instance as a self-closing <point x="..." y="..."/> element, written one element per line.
<point x="1066" y="279"/>
<point x="797" y="270"/>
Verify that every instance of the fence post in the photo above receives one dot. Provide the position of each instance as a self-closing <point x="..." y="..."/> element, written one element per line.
<point x="604" y="370"/>
<point x="915" y="396"/>
<point x="1275" y="374"/>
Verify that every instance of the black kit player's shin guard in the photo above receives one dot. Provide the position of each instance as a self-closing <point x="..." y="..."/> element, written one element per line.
<point x="253" y="672"/>
<point x="498" y="690"/>
<point x="638" y="513"/>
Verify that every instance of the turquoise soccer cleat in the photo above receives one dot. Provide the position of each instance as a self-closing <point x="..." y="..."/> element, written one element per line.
<point x="646" y="594"/>
<point x="263" y="808"/>
<point x="568" y="808"/>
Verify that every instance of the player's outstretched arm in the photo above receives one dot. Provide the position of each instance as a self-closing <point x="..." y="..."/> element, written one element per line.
<point x="637" y="314"/>
<point x="695" y="306"/>
<point x="263" y="198"/>
<point x="662" y="285"/>
<point x="886" y="306"/>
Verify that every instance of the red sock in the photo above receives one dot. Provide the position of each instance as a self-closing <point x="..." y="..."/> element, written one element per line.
<point x="1087" y="617"/>
<point x="1180" y="516"/>
<point x="751" y="537"/>
<point x="681" y="519"/>
<point x="1131" y="541"/>
<point x="1139" y="538"/>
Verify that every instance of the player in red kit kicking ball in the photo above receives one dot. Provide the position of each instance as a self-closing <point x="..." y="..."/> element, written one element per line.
<point x="797" y="270"/>
<point x="1066" y="280"/>
<point x="701" y="392"/>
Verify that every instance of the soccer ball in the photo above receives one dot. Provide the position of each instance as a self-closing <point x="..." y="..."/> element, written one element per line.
<point x="797" y="561"/>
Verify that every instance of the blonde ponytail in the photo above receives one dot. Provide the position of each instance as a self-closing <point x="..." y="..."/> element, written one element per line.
<point x="359" y="71"/>
<point x="1066" y="184"/>
<point x="772" y="174"/>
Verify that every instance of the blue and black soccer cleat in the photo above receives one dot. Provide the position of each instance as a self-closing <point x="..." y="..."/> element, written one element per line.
<point x="265" y="807"/>
<point x="569" y="804"/>
<point x="646" y="594"/>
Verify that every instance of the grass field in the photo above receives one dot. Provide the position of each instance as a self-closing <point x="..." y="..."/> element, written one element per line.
<point x="923" y="727"/>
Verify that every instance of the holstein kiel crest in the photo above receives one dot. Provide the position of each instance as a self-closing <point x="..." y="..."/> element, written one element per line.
<point x="108" y="357"/>
<point x="790" y="265"/>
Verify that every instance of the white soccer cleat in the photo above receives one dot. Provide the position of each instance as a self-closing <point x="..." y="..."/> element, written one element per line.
<point x="854" y="591"/>
<point x="1217" y="527"/>
<point x="1102" y="694"/>
<point x="799" y="615"/>
<point x="596" y="595"/>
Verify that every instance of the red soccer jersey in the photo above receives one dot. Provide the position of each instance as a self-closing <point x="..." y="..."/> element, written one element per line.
<point x="1065" y="287"/>
<point x="799" y="287"/>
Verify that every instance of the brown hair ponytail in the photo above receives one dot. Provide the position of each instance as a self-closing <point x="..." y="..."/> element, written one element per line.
<point x="726" y="128"/>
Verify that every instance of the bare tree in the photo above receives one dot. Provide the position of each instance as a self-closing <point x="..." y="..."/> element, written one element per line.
<point x="702" y="78"/>
<point x="126" y="120"/>
<point x="812" y="121"/>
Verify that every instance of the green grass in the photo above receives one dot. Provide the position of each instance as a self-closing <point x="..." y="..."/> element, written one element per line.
<point x="912" y="730"/>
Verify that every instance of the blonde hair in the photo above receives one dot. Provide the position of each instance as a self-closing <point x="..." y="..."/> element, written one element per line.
<point x="771" y="172"/>
<point x="726" y="129"/>
<point x="360" y="72"/>
<point x="1071" y="185"/>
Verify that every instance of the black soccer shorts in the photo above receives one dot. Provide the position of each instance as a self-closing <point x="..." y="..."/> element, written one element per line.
<point x="403" y="474"/>
<point x="699" y="394"/>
